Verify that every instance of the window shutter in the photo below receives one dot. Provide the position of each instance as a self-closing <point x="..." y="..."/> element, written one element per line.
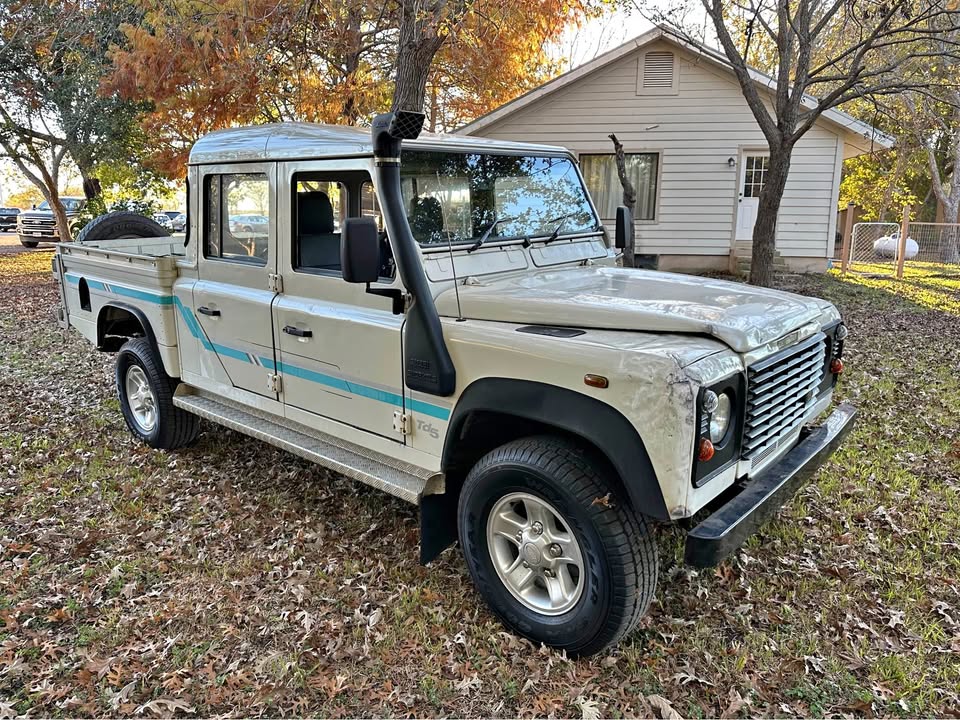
<point x="658" y="70"/>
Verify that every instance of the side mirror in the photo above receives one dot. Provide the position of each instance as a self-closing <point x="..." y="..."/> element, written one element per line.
<point x="624" y="232"/>
<point x="360" y="250"/>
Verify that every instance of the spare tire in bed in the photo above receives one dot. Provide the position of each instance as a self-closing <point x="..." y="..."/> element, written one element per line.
<point x="118" y="225"/>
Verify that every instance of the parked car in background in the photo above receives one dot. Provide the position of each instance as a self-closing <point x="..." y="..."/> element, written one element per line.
<point x="163" y="220"/>
<point x="180" y="222"/>
<point x="8" y="218"/>
<point x="36" y="226"/>
<point x="249" y="224"/>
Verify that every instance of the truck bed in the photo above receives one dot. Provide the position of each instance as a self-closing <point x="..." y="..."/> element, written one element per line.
<point x="97" y="280"/>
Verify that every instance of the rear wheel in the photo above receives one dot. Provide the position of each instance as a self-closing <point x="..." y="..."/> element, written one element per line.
<point x="146" y="399"/>
<point x="553" y="548"/>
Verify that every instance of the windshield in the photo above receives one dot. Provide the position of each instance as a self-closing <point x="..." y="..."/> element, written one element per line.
<point x="68" y="204"/>
<point x="457" y="196"/>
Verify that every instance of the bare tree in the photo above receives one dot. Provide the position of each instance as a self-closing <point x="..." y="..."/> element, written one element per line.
<point x="826" y="53"/>
<point x="629" y="197"/>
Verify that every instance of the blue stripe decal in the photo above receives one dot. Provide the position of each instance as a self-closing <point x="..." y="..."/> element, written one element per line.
<point x="193" y="325"/>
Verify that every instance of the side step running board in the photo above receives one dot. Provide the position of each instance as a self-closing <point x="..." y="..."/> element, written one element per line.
<point x="405" y="481"/>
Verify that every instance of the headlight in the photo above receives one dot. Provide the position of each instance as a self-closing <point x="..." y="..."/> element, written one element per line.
<point x="720" y="418"/>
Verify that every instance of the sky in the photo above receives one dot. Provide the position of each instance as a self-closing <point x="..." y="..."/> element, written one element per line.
<point x="580" y="45"/>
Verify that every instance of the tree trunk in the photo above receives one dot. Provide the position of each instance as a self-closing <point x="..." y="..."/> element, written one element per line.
<point x="413" y="67"/>
<point x="765" y="228"/>
<point x="629" y="198"/>
<point x="59" y="214"/>
<point x="949" y="242"/>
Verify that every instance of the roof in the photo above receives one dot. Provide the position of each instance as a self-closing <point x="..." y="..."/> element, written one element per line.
<point x="845" y="122"/>
<point x="298" y="141"/>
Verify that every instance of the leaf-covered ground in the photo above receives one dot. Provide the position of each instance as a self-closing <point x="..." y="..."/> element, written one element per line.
<point x="232" y="578"/>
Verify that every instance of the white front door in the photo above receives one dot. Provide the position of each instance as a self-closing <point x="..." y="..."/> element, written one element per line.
<point x="753" y="174"/>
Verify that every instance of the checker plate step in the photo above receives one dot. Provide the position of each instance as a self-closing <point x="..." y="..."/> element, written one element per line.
<point x="405" y="481"/>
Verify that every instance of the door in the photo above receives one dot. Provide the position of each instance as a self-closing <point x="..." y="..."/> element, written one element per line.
<point x="753" y="175"/>
<point x="338" y="346"/>
<point x="232" y="298"/>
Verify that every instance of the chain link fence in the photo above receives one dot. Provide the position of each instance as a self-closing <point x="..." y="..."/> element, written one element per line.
<point x="874" y="248"/>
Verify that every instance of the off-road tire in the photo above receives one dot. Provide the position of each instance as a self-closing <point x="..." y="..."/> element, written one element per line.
<point x="619" y="551"/>
<point x="29" y="243"/>
<point x="120" y="224"/>
<point x="175" y="428"/>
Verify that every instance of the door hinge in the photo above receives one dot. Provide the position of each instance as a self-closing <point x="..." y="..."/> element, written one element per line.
<point x="401" y="422"/>
<point x="274" y="383"/>
<point x="275" y="283"/>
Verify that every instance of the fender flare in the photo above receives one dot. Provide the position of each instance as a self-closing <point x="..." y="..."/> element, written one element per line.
<point x="601" y="425"/>
<point x="137" y="313"/>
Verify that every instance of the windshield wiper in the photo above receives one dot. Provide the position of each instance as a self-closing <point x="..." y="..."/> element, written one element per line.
<point x="487" y="233"/>
<point x="561" y="221"/>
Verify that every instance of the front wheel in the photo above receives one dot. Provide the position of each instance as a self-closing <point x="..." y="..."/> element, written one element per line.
<point x="146" y="399"/>
<point x="553" y="548"/>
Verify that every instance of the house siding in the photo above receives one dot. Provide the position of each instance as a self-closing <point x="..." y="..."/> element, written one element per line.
<point x="705" y="122"/>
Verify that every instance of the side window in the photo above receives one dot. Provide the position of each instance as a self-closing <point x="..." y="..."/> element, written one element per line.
<point x="320" y="209"/>
<point x="369" y="207"/>
<point x="322" y="201"/>
<point x="237" y="223"/>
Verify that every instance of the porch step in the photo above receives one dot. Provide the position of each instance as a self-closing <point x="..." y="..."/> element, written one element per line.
<point x="743" y="252"/>
<point x="392" y="476"/>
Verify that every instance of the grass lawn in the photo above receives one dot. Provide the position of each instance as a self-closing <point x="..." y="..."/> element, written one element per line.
<point x="232" y="578"/>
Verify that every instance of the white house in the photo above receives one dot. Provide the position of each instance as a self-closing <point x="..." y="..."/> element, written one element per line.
<point x="697" y="155"/>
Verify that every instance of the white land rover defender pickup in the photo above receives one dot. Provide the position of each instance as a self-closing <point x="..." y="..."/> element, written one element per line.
<point x="448" y="324"/>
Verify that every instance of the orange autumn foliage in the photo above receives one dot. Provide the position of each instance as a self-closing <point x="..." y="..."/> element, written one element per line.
<point x="204" y="66"/>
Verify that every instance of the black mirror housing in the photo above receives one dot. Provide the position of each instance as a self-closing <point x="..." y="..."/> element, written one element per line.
<point x="360" y="250"/>
<point x="624" y="228"/>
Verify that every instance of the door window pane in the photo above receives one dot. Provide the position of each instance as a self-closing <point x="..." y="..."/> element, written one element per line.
<point x="755" y="174"/>
<point x="603" y="181"/>
<point x="321" y="206"/>
<point x="237" y="225"/>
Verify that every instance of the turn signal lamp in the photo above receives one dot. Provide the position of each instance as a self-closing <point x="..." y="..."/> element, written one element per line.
<point x="705" y="450"/>
<point x="836" y="366"/>
<point x="597" y="381"/>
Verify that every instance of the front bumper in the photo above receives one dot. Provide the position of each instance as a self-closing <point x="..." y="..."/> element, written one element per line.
<point x="729" y="527"/>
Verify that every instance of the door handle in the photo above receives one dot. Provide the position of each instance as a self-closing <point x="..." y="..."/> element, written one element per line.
<point x="291" y="330"/>
<point x="204" y="310"/>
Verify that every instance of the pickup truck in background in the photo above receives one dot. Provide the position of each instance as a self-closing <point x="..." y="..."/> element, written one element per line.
<point x="8" y="218"/>
<point x="36" y="226"/>
<point x="443" y="318"/>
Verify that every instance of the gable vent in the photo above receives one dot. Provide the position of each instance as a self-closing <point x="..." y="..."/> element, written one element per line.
<point x="658" y="70"/>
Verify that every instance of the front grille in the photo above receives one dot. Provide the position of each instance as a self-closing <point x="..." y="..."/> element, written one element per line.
<point x="39" y="224"/>
<point x="780" y="391"/>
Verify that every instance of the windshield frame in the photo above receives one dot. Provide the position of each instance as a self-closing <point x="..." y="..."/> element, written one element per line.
<point x="497" y="240"/>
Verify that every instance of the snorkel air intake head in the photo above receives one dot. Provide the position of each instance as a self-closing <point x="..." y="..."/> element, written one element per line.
<point x="390" y="129"/>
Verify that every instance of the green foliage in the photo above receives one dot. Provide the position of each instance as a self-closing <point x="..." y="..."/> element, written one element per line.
<point x="870" y="182"/>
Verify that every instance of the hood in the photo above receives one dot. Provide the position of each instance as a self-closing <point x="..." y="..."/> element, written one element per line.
<point x="742" y="316"/>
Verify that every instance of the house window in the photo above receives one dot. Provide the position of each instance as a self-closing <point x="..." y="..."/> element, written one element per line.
<point x="658" y="74"/>
<point x="238" y="218"/>
<point x="603" y="182"/>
